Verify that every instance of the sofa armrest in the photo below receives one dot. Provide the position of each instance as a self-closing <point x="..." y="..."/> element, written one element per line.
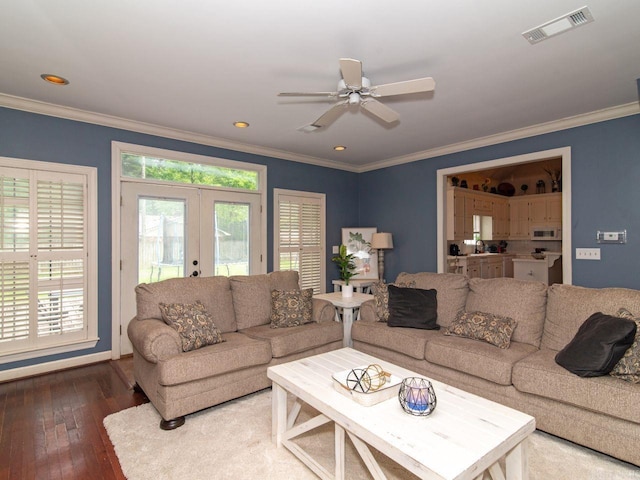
<point x="154" y="339"/>
<point x="368" y="312"/>
<point x="323" y="311"/>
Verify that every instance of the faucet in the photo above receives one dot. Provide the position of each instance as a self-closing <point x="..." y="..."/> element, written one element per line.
<point x="479" y="243"/>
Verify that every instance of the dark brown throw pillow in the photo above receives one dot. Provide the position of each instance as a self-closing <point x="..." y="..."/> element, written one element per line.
<point x="381" y="297"/>
<point x="192" y="322"/>
<point x="600" y="343"/>
<point x="290" y="308"/>
<point x="488" y="327"/>
<point x="413" y="308"/>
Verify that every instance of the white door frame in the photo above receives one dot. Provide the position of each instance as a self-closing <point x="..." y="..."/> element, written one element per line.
<point x="564" y="153"/>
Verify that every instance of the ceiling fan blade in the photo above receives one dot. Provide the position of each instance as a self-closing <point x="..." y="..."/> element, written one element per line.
<point x="418" y="85"/>
<point x="327" y="118"/>
<point x="308" y="94"/>
<point x="351" y="72"/>
<point x="380" y="110"/>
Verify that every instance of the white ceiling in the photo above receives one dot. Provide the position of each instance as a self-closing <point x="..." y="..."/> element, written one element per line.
<point x="197" y="66"/>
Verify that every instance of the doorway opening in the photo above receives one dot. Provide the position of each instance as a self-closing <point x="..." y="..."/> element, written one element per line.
<point x="444" y="174"/>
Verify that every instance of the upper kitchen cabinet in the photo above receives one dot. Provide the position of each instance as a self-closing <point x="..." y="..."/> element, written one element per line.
<point x="519" y="218"/>
<point x="460" y="214"/>
<point x="545" y="209"/>
<point x="500" y="214"/>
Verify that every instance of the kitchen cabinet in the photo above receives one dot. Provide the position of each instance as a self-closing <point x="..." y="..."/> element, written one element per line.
<point x="500" y="214"/>
<point x="482" y="205"/>
<point x="545" y="209"/>
<point x="473" y="269"/>
<point x="491" y="267"/>
<point x="459" y="214"/>
<point x="507" y="265"/>
<point x="519" y="218"/>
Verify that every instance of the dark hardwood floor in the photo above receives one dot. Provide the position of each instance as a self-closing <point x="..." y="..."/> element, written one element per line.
<point x="51" y="425"/>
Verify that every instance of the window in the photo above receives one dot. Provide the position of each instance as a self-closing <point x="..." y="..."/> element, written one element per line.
<point x="300" y="243"/>
<point x="44" y="259"/>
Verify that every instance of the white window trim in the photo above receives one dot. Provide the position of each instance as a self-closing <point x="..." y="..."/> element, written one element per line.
<point x="277" y="192"/>
<point x="92" y="259"/>
<point x="117" y="148"/>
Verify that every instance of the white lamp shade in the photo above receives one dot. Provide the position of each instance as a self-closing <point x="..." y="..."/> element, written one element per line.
<point x="381" y="240"/>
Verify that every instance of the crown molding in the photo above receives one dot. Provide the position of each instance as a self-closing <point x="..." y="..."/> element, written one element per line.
<point x="611" y="113"/>
<point x="69" y="113"/>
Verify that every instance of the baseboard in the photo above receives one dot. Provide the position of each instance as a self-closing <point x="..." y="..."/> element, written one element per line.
<point x="31" y="370"/>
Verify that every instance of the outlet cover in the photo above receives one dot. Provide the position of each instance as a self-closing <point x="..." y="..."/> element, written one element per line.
<point x="587" y="254"/>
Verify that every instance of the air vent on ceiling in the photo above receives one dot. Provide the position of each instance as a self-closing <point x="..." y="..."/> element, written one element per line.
<point x="571" y="20"/>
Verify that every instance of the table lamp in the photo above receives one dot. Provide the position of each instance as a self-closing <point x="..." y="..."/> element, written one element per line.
<point x="381" y="241"/>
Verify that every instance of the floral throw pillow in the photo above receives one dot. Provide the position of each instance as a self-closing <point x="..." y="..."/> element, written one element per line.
<point x="193" y="323"/>
<point x="381" y="297"/>
<point x="290" y="308"/>
<point x="628" y="367"/>
<point x="488" y="327"/>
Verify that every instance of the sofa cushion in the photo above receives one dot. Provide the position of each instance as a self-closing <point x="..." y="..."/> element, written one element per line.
<point x="193" y="323"/>
<point x="413" y="308"/>
<point x="290" y="308"/>
<point x="599" y="344"/>
<point x="452" y="291"/>
<point x="381" y="298"/>
<point x="235" y="353"/>
<point x="213" y="292"/>
<point x="568" y="306"/>
<point x="628" y="368"/>
<point x="540" y="375"/>
<point x="287" y="341"/>
<point x="252" y="295"/>
<point x="523" y="301"/>
<point x="487" y="327"/>
<point x="477" y="358"/>
<point x="408" y="341"/>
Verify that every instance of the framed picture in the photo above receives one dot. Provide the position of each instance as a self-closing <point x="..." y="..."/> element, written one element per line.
<point x="358" y="242"/>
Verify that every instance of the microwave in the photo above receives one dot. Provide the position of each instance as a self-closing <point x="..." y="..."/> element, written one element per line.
<point x="546" y="233"/>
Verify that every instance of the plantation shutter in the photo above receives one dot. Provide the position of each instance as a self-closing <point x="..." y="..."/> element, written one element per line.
<point x="300" y="223"/>
<point x="43" y="254"/>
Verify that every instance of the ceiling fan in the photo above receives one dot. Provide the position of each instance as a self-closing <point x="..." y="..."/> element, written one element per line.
<point x="355" y="89"/>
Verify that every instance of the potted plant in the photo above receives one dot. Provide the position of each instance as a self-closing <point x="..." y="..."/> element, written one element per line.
<point x="347" y="267"/>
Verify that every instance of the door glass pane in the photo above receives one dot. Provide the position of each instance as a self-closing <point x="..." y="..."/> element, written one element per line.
<point x="161" y="235"/>
<point x="231" y="239"/>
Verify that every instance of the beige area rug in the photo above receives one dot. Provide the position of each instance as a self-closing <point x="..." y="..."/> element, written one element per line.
<point x="233" y="441"/>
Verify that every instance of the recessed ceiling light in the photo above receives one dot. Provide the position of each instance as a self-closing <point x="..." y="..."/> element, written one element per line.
<point x="54" y="79"/>
<point x="339" y="148"/>
<point x="241" y="124"/>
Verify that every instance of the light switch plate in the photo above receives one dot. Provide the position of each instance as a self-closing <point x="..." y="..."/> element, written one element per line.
<point x="587" y="254"/>
<point x="335" y="249"/>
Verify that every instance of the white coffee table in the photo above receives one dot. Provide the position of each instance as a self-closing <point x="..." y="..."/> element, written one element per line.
<point x="465" y="436"/>
<point x="348" y="305"/>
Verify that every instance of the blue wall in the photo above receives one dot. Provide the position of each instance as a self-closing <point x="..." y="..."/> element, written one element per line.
<point x="401" y="199"/>
<point x="39" y="137"/>
<point x="605" y="187"/>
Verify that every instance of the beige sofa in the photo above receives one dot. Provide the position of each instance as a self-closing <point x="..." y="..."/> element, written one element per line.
<point x="178" y="383"/>
<point x="602" y="413"/>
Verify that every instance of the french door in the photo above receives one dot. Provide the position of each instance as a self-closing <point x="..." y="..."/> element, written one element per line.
<point x="169" y="232"/>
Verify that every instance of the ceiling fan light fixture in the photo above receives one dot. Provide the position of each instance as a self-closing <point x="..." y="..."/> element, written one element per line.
<point x="354" y="98"/>
<point x="241" y="124"/>
<point x="54" y="79"/>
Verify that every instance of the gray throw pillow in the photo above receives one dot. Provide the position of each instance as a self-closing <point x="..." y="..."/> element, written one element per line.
<point x="290" y="308"/>
<point x="192" y="322"/>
